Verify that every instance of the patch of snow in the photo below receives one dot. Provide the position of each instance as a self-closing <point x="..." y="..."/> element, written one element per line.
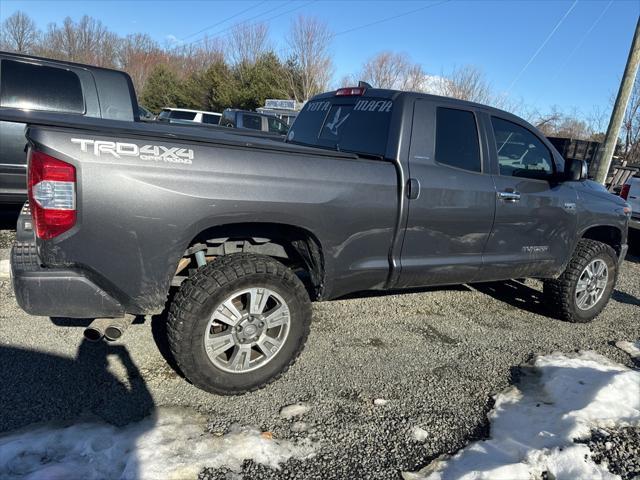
<point x="419" y="434"/>
<point x="632" y="348"/>
<point x="533" y="426"/>
<point x="294" y="410"/>
<point x="380" y="402"/>
<point x="172" y="444"/>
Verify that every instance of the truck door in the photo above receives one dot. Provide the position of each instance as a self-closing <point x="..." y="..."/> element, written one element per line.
<point x="451" y="197"/>
<point x="535" y="221"/>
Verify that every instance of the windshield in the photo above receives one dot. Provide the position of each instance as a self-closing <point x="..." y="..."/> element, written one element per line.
<point x="349" y="124"/>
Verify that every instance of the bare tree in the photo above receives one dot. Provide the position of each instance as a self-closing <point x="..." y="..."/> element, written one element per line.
<point x="414" y="79"/>
<point x="309" y="41"/>
<point x="468" y="83"/>
<point x="347" y="81"/>
<point x="597" y="120"/>
<point x="86" y="41"/>
<point x="137" y="54"/>
<point x="19" y="33"/>
<point x="247" y="42"/>
<point x="556" y="123"/>
<point x="386" y="70"/>
<point x="197" y="57"/>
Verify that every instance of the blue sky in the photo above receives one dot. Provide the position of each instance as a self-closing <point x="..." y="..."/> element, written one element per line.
<point x="579" y="66"/>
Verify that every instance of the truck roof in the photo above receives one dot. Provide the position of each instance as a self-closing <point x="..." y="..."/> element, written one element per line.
<point x="397" y="94"/>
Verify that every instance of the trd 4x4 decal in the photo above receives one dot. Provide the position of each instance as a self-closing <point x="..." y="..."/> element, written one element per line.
<point x="157" y="153"/>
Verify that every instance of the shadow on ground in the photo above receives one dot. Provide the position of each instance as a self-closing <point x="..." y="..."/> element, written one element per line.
<point x="517" y="294"/>
<point x="623" y="297"/>
<point x="40" y="387"/>
<point x="9" y="216"/>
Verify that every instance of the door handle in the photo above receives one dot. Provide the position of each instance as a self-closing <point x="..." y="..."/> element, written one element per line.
<point x="509" y="196"/>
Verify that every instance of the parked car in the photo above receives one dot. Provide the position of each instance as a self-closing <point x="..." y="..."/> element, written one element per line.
<point x="42" y="85"/>
<point x="372" y="190"/>
<point x="253" y="121"/>
<point x="183" y="115"/>
<point x="631" y="193"/>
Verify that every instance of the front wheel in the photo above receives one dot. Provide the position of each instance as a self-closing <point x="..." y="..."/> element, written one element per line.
<point x="584" y="288"/>
<point x="239" y="323"/>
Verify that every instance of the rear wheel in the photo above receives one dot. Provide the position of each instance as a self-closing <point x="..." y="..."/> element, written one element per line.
<point x="239" y="323"/>
<point x="584" y="288"/>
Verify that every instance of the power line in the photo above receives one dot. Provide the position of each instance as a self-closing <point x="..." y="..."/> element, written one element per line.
<point x="219" y="33"/>
<point x="544" y="43"/>
<point x="393" y="17"/>
<point x="582" y="40"/>
<point x="225" y="20"/>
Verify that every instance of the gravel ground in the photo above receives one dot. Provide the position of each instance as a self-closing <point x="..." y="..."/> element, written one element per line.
<point x="437" y="356"/>
<point x="619" y="449"/>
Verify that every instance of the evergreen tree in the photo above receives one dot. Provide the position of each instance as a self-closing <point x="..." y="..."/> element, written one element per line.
<point x="254" y="83"/>
<point x="162" y="89"/>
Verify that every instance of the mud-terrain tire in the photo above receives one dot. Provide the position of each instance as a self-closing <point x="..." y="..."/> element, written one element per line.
<point x="565" y="295"/>
<point x="218" y="306"/>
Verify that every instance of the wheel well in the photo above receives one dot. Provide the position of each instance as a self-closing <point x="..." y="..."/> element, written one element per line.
<point x="605" y="234"/>
<point x="296" y="247"/>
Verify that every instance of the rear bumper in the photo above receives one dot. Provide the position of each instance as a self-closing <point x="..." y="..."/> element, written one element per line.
<point x="57" y="292"/>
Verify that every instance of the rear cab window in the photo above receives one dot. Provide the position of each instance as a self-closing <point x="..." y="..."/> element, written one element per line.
<point x="40" y="87"/>
<point x="356" y="124"/>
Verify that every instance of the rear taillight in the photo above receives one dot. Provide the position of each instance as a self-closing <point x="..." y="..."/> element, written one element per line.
<point x="624" y="192"/>
<point x="52" y="194"/>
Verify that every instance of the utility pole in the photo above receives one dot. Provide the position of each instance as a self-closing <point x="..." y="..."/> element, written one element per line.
<point x="613" y="132"/>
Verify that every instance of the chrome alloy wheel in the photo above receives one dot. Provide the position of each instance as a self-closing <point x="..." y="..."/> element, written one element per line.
<point x="247" y="330"/>
<point x="591" y="284"/>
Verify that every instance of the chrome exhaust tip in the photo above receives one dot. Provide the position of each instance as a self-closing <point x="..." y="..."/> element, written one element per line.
<point x="116" y="328"/>
<point x="96" y="329"/>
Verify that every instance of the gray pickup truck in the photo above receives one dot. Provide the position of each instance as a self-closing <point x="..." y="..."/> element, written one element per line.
<point x="372" y="190"/>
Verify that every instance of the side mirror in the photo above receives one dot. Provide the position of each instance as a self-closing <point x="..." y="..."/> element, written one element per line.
<point x="576" y="170"/>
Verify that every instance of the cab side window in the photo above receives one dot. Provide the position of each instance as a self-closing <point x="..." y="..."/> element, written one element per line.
<point x="520" y="152"/>
<point x="457" y="139"/>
